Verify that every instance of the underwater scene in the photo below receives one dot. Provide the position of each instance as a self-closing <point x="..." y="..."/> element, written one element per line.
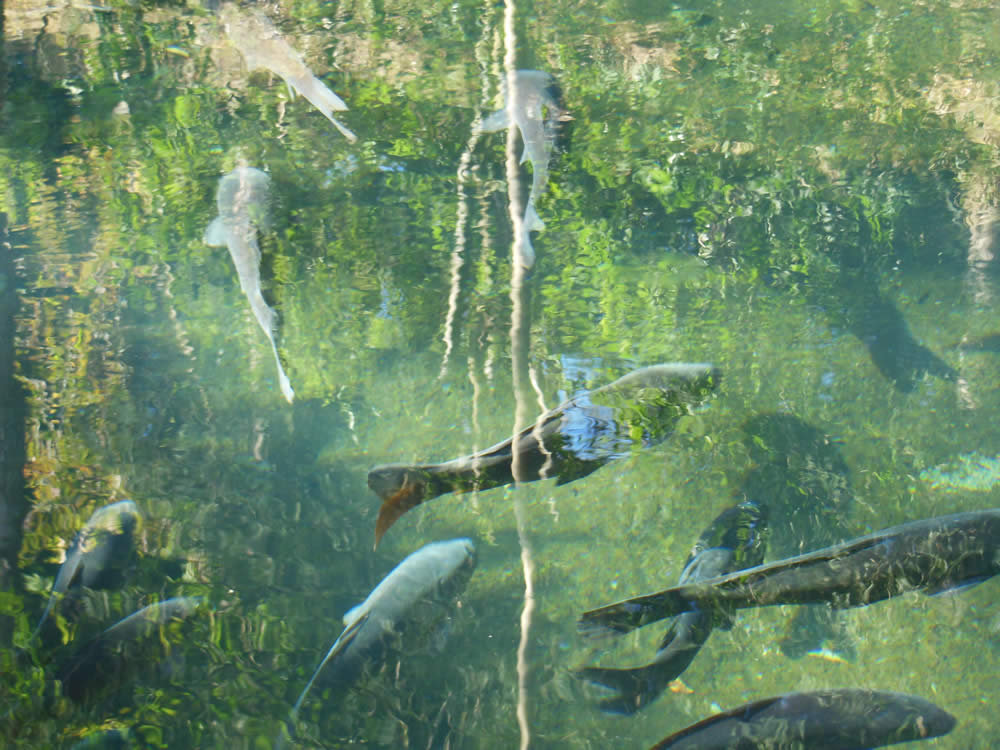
<point x="522" y="374"/>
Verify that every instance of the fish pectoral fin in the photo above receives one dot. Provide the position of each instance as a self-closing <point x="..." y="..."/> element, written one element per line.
<point x="215" y="233"/>
<point x="496" y="121"/>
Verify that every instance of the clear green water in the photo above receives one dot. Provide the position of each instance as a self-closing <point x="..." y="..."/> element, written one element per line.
<point x="766" y="190"/>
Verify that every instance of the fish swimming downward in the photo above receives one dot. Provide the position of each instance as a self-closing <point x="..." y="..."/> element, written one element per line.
<point x="403" y="608"/>
<point x="935" y="555"/>
<point x="103" y="545"/>
<point x="734" y="541"/>
<point x="567" y="442"/>
<point x="100" y="665"/>
<point x="263" y="47"/>
<point x="845" y="719"/>
<point x="242" y="198"/>
<point x="533" y="91"/>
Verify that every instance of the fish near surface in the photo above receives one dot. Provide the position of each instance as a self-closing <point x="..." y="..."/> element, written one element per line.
<point x="404" y="607"/>
<point x="242" y="198"/>
<point x="537" y="113"/>
<point x="263" y="47"/>
<point x="844" y="719"/>
<point x="935" y="555"/>
<point x="567" y="442"/>
<point x="104" y="544"/>
<point x="735" y="540"/>
<point x="101" y="665"/>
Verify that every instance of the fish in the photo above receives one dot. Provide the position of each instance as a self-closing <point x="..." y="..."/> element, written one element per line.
<point x="935" y="555"/>
<point x="263" y="47"/>
<point x="534" y="91"/>
<point x="98" y="666"/>
<point x="242" y="198"/>
<point x="105" y="739"/>
<point x="103" y="545"/>
<point x="567" y="442"/>
<point x="403" y="608"/>
<point x="842" y="719"/>
<point x="736" y="539"/>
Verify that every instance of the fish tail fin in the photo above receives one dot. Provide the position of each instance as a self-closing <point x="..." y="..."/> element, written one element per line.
<point x="401" y="488"/>
<point x="327" y="102"/>
<point x="636" y="688"/>
<point x="626" y="616"/>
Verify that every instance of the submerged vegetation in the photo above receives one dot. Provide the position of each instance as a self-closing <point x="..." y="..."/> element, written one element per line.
<point x="805" y="199"/>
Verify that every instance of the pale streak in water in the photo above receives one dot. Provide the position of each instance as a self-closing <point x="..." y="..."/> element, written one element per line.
<point x="519" y="330"/>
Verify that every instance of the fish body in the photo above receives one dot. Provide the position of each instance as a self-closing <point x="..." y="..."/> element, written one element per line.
<point x="734" y="541"/>
<point x="418" y="593"/>
<point x="98" y="666"/>
<point x="568" y="442"/>
<point x="536" y="113"/>
<point x="104" y="543"/>
<point x="935" y="555"/>
<point x="242" y="198"/>
<point x="263" y="47"/>
<point x="845" y="719"/>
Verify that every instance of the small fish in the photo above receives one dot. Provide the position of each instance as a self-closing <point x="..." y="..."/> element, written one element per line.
<point x="533" y="91"/>
<point x="242" y="198"/>
<point x="936" y="555"/>
<point x="262" y="47"/>
<point x="734" y="541"/>
<point x="104" y="543"/>
<point x="568" y="442"/>
<point x="97" y="666"/>
<point x="400" y="611"/>
<point x="105" y="739"/>
<point x="845" y="719"/>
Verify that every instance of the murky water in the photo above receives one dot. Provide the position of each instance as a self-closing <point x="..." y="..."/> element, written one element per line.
<point x="806" y="200"/>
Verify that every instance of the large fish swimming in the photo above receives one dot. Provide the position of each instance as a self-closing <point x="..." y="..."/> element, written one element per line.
<point x="99" y="666"/>
<point x="567" y="442"/>
<point x="242" y="198"/>
<point x="734" y="541"/>
<point x="263" y="47"/>
<point x="402" y="609"/>
<point x="845" y="719"/>
<point x="103" y="545"/>
<point x="933" y="556"/>
<point x="537" y="112"/>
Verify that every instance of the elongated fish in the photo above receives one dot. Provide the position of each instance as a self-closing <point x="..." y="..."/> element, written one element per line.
<point x="263" y="47"/>
<point x="418" y="593"/>
<point x="97" y="667"/>
<point x="242" y="198"/>
<point x="845" y="719"/>
<point x="934" y="555"/>
<point x="533" y="91"/>
<point x="104" y="543"/>
<point x="735" y="540"/>
<point x="568" y="442"/>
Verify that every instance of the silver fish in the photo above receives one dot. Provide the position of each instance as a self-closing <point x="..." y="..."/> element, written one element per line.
<point x="845" y="719"/>
<point x="103" y="542"/>
<point x="405" y="605"/>
<point x="242" y="198"/>
<point x="533" y="91"/>
<point x="262" y="47"/>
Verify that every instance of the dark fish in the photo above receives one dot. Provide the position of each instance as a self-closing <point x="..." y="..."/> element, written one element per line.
<point x="846" y="719"/>
<point x="934" y="555"/>
<point x="802" y="473"/>
<point x="105" y="739"/>
<point x="568" y="442"/>
<point x="418" y="593"/>
<point x="103" y="545"/>
<point x="101" y="665"/>
<point x="989" y="343"/>
<point x="734" y="541"/>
